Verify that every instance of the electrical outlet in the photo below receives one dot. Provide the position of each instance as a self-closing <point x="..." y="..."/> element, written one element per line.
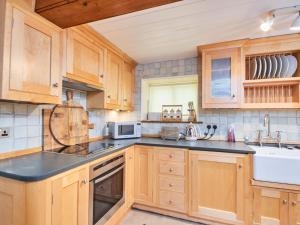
<point x="4" y="132"/>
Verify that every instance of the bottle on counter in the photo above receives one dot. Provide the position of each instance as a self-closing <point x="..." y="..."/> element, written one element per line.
<point x="230" y="134"/>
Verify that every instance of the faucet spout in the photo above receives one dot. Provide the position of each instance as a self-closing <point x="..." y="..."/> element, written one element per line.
<point x="267" y="124"/>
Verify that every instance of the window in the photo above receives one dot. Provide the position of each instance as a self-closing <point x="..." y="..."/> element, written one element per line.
<point x="169" y="91"/>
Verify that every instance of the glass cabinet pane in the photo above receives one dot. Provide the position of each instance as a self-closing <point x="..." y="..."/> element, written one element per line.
<point x="221" y="77"/>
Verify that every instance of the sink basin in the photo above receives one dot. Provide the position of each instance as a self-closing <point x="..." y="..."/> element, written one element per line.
<point x="276" y="165"/>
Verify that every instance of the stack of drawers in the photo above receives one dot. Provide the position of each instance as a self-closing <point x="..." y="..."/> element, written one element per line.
<point x="171" y="179"/>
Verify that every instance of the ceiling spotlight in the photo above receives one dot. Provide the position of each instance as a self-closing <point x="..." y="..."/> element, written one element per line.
<point x="267" y="24"/>
<point x="296" y="23"/>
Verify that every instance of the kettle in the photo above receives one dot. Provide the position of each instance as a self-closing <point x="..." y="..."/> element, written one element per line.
<point x="191" y="133"/>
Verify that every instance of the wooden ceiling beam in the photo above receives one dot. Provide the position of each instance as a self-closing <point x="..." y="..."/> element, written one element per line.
<point x="68" y="13"/>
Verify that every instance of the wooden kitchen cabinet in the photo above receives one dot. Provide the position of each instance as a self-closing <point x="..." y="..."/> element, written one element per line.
<point x="219" y="184"/>
<point x="31" y="66"/>
<point x="70" y="196"/>
<point x="276" y="206"/>
<point x="86" y="58"/>
<point x="144" y="175"/>
<point x="129" y="180"/>
<point x="221" y="77"/>
<point x="127" y="85"/>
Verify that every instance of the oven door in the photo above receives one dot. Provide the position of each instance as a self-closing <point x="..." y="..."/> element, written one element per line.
<point x="106" y="195"/>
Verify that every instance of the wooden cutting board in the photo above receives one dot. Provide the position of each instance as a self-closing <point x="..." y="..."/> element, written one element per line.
<point x="65" y="125"/>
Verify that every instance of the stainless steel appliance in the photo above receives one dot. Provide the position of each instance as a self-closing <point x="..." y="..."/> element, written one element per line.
<point x="119" y="130"/>
<point x="107" y="181"/>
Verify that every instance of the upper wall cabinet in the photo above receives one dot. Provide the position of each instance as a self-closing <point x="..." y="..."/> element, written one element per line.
<point x="221" y="75"/>
<point x="127" y="84"/>
<point x="86" y="58"/>
<point x="31" y="65"/>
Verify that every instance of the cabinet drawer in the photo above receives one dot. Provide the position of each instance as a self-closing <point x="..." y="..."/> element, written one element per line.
<point x="172" y="168"/>
<point x="172" y="200"/>
<point x="172" y="155"/>
<point x="168" y="183"/>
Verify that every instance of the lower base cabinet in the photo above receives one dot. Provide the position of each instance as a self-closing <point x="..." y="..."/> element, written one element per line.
<point x="276" y="207"/>
<point x="219" y="187"/>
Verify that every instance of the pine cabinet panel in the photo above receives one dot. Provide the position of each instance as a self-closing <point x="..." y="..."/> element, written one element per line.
<point x="129" y="186"/>
<point x="127" y="87"/>
<point x="70" y="199"/>
<point x="32" y="62"/>
<point x="221" y="78"/>
<point x="113" y="80"/>
<point x="85" y="58"/>
<point x="294" y="209"/>
<point x="143" y="168"/>
<point x="218" y="186"/>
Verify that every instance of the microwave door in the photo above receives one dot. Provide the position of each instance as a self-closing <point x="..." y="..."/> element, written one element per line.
<point x="126" y="130"/>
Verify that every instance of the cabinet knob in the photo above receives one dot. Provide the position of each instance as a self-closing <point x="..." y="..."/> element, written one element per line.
<point x="294" y="203"/>
<point x="170" y="170"/>
<point x="284" y="201"/>
<point x="170" y="156"/>
<point x="84" y="181"/>
<point x="170" y="202"/>
<point x="55" y="85"/>
<point x="170" y="185"/>
<point x="125" y="99"/>
<point x="240" y="166"/>
<point x="233" y="96"/>
<point x="108" y="96"/>
<point x="102" y="76"/>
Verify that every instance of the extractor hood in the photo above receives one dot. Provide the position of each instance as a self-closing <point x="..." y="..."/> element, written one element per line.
<point x="76" y="85"/>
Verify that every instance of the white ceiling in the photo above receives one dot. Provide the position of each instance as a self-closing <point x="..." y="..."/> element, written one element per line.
<point x="173" y="31"/>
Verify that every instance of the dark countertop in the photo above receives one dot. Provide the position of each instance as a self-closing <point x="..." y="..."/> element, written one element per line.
<point x="42" y="165"/>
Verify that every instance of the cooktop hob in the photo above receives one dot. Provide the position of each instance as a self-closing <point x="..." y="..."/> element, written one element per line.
<point x="85" y="149"/>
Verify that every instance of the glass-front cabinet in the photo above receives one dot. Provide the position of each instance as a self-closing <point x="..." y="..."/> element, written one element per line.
<point x="221" y="74"/>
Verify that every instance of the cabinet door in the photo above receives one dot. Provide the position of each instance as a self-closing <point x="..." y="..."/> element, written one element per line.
<point x="70" y="199"/>
<point x="221" y="78"/>
<point x="129" y="176"/>
<point x="294" y="209"/>
<point x="270" y="206"/>
<point x="34" y="53"/>
<point x="127" y="87"/>
<point x="112" y="81"/>
<point x="143" y="181"/>
<point x="85" y="59"/>
<point x="217" y="186"/>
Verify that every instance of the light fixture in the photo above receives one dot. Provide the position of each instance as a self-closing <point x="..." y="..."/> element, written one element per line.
<point x="267" y="24"/>
<point x="296" y="23"/>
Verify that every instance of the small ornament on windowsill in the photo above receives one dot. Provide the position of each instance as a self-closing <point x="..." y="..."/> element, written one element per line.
<point x="192" y="113"/>
<point x="171" y="113"/>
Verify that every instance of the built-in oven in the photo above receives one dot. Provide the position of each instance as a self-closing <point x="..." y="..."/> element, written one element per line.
<point x="107" y="181"/>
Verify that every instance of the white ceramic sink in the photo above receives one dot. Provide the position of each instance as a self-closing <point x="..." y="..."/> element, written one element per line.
<point x="276" y="165"/>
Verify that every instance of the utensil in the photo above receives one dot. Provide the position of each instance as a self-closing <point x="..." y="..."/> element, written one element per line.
<point x="259" y="67"/>
<point x="293" y="64"/>
<point x="285" y="66"/>
<point x="253" y="68"/>
<point x="274" y="66"/>
<point x="269" y="67"/>
<point x="264" y="67"/>
<point x="279" y="66"/>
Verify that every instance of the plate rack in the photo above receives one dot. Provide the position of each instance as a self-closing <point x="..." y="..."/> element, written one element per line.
<point x="269" y="88"/>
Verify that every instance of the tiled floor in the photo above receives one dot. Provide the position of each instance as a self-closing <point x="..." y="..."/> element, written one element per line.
<point x="137" y="217"/>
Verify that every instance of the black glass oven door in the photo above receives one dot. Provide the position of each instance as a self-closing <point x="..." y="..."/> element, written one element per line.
<point x="108" y="194"/>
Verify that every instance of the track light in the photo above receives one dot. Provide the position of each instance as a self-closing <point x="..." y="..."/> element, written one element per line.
<point x="296" y="23"/>
<point x="267" y="24"/>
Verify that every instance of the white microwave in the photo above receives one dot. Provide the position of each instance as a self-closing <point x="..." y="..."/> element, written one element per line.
<point x="119" y="130"/>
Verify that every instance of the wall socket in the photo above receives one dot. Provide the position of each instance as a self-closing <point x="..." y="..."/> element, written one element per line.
<point x="4" y="132"/>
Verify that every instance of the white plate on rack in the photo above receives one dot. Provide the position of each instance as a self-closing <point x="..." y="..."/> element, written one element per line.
<point x="285" y="66"/>
<point x="269" y="67"/>
<point x="253" y="68"/>
<point x="259" y="67"/>
<point x="279" y="66"/>
<point x="263" y="67"/>
<point x="293" y="64"/>
<point x="274" y="66"/>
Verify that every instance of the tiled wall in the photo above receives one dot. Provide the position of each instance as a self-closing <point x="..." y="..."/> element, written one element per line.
<point x="25" y="122"/>
<point x="246" y="122"/>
